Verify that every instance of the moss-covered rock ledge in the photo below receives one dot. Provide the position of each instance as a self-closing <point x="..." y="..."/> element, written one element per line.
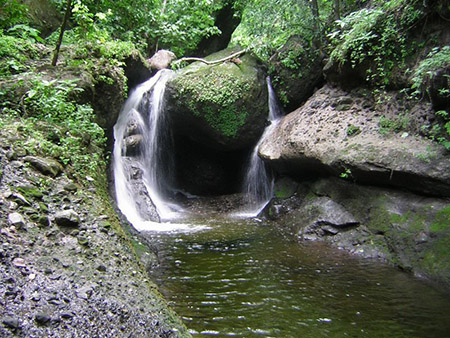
<point x="223" y="105"/>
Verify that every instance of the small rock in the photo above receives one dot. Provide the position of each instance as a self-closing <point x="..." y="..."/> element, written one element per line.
<point x="19" y="262"/>
<point x="66" y="315"/>
<point x="70" y="187"/>
<point x="133" y="144"/>
<point x="83" y="241"/>
<point x="101" y="268"/>
<point x="20" y="199"/>
<point x="12" y="323"/>
<point x="16" y="220"/>
<point x="68" y="218"/>
<point x="44" y="221"/>
<point x="46" y="166"/>
<point x="42" y="318"/>
<point x="161" y="59"/>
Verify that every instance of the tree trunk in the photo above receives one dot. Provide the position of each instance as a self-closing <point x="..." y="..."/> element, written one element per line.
<point x="337" y="9"/>
<point x="61" y="34"/>
<point x="316" y="18"/>
<point x="163" y="10"/>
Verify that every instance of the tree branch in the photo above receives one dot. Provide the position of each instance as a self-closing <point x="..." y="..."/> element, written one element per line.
<point x="193" y="59"/>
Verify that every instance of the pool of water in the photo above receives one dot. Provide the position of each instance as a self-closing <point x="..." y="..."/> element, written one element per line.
<point x="242" y="279"/>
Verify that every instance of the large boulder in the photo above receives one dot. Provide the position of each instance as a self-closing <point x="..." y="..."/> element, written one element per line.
<point x="353" y="136"/>
<point x="296" y="70"/>
<point x="222" y="105"/>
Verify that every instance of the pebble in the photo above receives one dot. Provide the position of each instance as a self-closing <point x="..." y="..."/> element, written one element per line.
<point x="67" y="218"/>
<point x="11" y="322"/>
<point x="16" y="220"/>
<point x="42" y="318"/>
<point x="19" y="262"/>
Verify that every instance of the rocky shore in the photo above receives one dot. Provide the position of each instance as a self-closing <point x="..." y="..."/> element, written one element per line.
<point x="68" y="269"/>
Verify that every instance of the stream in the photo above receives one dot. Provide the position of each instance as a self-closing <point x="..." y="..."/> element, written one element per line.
<point x="238" y="278"/>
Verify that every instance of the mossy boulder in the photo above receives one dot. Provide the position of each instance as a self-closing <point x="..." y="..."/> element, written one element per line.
<point x="222" y="105"/>
<point x="405" y="229"/>
<point x="296" y="70"/>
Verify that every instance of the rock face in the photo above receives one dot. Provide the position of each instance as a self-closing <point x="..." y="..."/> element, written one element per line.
<point x="223" y="106"/>
<point x="347" y="134"/>
<point x="403" y="228"/>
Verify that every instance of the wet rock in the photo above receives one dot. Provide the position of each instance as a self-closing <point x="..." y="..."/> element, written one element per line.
<point x="133" y="144"/>
<point x="222" y="105"/>
<point x="322" y="140"/>
<point x="321" y="217"/>
<point x="47" y="166"/>
<point x="16" y="220"/>
<point x="67" y="218"/>
<point x="133" y="127"/>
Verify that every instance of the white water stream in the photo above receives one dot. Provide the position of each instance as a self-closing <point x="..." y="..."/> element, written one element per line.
<point x="143" y="161"/>
<point x="258" y="183"/>
<point x="142" y="117"/>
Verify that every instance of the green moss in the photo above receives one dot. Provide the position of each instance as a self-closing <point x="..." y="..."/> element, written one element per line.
<point x="30" y="192"/>
<point x="215" y="95"/>
<point x="442" y="221"/>
<point x="436" y="260"/>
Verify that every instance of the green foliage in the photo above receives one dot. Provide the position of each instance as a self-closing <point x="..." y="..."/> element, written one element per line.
<point x="12" y="12"/>
<point x="267" y="25"/>
<point x="346" y="174"/>
<point x="25" y="32"/>
<point x="354" y="33"/>
<point x="53" y="125"/>
<point x="182" y="27"/>
<point x="397" y="124"/>
<point x="15" y="54"/>
<point x="377" y="36"/>
<point x="173" y="24"/>
<point x="440" y="131"/>
<point x="437" y="59"/>
<point x="353" y="130"/>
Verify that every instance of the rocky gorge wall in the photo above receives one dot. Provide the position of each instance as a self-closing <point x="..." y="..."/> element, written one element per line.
<point x="364" y="178"/>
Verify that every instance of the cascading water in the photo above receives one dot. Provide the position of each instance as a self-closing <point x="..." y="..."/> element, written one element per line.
<point x="143" y="162"/>
<point x="258" y="183"/>
<point x="142" y="157"/>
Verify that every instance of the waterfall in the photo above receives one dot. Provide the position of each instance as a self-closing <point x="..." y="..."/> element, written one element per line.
<point x="142" y="158"/>
<point x="258" y="182"/>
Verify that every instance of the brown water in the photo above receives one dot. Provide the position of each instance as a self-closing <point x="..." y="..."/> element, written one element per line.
<point x="242" y="279"/>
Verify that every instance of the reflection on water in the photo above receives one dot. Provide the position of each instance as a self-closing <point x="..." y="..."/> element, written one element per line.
<point x="244" y="280"/>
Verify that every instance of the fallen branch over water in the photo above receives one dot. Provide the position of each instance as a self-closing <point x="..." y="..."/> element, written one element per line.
<point x="195" y="59"/>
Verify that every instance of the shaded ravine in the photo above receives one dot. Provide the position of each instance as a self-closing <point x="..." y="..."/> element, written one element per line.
<point x="240" y="277"/>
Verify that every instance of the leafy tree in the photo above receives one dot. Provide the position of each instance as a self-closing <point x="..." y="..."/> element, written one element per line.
<point x="12" y="12"/>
